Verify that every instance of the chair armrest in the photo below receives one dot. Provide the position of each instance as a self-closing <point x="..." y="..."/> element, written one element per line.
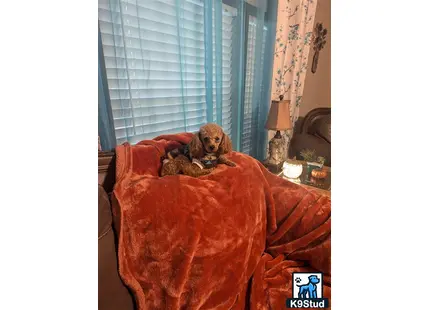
<point x="113" y="294"/>
<point x="106" y="170"/>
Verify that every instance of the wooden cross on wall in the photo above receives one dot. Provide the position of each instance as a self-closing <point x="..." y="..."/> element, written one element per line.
<point x="320" y="34"/>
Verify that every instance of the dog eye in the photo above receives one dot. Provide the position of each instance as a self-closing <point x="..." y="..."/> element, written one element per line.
<point x="217" y="139"/>
<point x="206" y="139"/>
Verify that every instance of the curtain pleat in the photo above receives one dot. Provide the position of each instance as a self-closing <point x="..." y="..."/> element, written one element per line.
<point x="105" y="120"/>
<point x="294" y="37"/>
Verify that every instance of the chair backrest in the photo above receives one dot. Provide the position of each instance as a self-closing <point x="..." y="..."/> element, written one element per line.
<point x="312" y="117"/>
<point x="318" y="123"/>
<point x="106" y="173"/>
<point x="313" y="132"/>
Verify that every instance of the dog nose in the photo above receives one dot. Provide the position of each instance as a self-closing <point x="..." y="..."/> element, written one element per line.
<point x="211" y="147"/>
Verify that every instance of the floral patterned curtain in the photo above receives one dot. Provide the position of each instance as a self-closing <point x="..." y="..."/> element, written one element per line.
<point x="293" y="41"/>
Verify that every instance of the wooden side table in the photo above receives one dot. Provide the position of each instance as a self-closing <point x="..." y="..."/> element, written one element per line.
<point x="320" y="190"/>
<point x="322" y="186"/>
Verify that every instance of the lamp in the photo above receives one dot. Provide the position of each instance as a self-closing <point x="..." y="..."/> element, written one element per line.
<point x="278" y="119"/>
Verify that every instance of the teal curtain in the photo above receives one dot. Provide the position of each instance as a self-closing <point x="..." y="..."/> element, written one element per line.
<point x="174" y="65"/>
<point x="106" y="128"/>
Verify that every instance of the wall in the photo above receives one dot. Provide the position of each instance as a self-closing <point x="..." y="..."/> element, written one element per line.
<point x="317" y="87"/>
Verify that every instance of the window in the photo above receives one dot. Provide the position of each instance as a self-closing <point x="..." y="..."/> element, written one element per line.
<point x="162" y="68"/>
<point x="146" y="72"/>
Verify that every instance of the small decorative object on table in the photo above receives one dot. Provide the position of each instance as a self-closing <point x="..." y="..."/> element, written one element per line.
<point x="292" y="169"/>
<point x="319" y="173"/>
<point x="313" y="161"/>
<point x="310" y="156"/>
<point x="278" y="119"/>
<point x="316" y="177"/>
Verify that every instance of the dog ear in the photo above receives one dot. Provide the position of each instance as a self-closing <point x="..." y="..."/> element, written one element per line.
<point x="196" y="147"/>
<point x="225" y="145"/>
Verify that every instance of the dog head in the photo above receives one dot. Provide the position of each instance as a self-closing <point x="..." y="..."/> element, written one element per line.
<point x="314" y="279"/>
<point x="210" y="139"/>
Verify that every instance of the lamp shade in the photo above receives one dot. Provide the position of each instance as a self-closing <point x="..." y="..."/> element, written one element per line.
<point x="279" y="115"/>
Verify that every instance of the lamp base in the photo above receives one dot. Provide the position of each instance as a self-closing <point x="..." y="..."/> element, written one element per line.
<point x="276" y="153"/>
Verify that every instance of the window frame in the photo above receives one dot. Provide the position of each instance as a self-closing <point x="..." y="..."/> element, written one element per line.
<point x="238" y="112"/>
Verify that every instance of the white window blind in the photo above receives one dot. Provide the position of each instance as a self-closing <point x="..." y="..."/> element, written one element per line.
<point x="249" y="116"/>
<point x="154" y="58"/>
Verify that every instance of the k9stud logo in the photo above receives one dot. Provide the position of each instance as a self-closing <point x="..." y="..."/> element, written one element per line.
<point x="307" y="291"/>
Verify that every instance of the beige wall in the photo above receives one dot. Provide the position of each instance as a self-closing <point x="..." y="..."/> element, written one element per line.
<point x="316" y="92"/>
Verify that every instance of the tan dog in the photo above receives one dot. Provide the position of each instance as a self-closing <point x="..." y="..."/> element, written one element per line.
<point x="201" y="155"/>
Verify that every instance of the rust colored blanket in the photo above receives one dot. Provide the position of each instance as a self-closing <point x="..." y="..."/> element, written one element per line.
<point x="228" y="240"/>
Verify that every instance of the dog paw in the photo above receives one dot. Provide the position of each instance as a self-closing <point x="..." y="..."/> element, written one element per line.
<point x="231" y="164"/>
